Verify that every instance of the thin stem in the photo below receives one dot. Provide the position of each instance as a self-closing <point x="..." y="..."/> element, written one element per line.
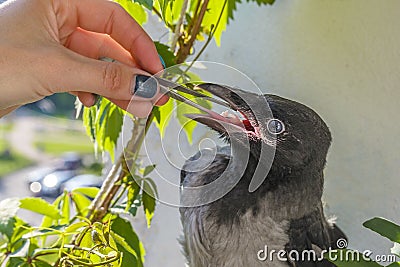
<point x="185" y="50"/>
<point x="120" y="194"/>
<point x="195" y="14"/>
<point x="208" y="39"/>
<point x="179" y="25"/>
<point x="157" y="13"/>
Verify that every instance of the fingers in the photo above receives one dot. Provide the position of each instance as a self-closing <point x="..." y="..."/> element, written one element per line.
<point x="73" y="72"/>
<point x="97" y="45"/>
<point x="110" y="18"/>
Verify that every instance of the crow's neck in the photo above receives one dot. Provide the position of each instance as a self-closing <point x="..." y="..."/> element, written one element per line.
<point x="283" y="195"/>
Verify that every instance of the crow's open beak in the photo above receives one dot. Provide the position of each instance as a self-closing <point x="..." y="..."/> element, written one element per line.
<point x="227" y="122"/>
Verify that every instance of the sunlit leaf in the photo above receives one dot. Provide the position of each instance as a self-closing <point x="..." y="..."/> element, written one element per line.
<point x="65" y="209"/>
<point x="149" y="202"/>
<point x="75" y="227"/>
<point x="188" y="125"/>
<point x="385" y="228"/>
<point x="172" y="11"/>
<point x="133" y="192"/>
<point x="39" y="263"/>
<point x="87" y="191"/>
<point x="88" y="117"/>
<point x="109" y="122"/>
<point x="135" y="9"/>
<point x="217" y="12"/>
<point x="124" y="228"/>
<point x="81" y="202"/>
<point x="165" y="113"/>
<point x="39" y="205"/>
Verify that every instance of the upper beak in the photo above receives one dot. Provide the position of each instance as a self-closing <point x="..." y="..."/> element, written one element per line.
<point x="237" y="100"/>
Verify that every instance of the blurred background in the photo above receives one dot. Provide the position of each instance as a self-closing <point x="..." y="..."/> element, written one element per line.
<point x="339" y="57"/>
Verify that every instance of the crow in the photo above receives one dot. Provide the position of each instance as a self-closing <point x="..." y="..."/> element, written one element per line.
<point x="256" y="220"/>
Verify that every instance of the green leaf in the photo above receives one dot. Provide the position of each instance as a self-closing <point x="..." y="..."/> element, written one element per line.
<point x="394" y="264"/>
<point x="20" y="228"/>
<point x="133" y="192"/>
<point x="149" y="202"/>
<point x="39" y="263"/>
<point x="82" y="203"/>
<point x="122" y="241"/>
<point x="385" y="228"/>
<point x="153" y="185"/>
<point x="136" y="9"/>
<point x="167" y="55"/>
<point x="124" y="228"/>
<point x="181" y="110"/>
<point x="262" y="2"/>
<point x="350" y="258"/>
<point x="87" y="191"/>
<point x="88" y="117"/>
<point x="65" y="208"/>
<point x="109" y="122"/>
<point x="146" y="3"/>
<point x="75" y="227"/>
<point x="217" y="12"/>
<point x="40" y="206"/>
<point x="165" y="113"/>
<point x="148" y="169"/>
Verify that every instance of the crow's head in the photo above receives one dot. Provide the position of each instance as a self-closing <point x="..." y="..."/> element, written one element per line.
<point x="299" y="135"/>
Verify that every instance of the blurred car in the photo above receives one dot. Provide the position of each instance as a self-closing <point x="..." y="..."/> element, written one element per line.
<point x="83" y="180"/>
<point x="39" y="174"/>
<point x="50" y="184"/>
<point x="69" y="161"/>
<point x="65" y="167"/>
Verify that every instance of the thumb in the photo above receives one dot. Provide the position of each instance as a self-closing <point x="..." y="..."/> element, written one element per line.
<point x="109" y="79"/>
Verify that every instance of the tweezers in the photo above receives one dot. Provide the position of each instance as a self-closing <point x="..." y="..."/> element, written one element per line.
<point x="169" y="88"/>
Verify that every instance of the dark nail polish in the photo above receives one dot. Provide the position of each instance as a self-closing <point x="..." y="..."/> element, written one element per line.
<point x="145" y="86"/>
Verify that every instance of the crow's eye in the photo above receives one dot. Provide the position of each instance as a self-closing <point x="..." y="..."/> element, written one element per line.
<point x="275" y="126"/>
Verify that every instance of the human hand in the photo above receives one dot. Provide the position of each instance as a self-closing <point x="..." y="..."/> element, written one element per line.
<point x="51" y="46"/>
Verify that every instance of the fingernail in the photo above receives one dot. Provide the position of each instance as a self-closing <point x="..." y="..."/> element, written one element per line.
<point x="162" y="61"/>
<point x="145" y="86"/>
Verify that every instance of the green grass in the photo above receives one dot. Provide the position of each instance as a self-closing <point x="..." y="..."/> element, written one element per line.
<point x="57" y="143"/>
<point x="17" y="162"/>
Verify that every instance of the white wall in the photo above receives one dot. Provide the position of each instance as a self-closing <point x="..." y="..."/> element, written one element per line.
<point x="342" y="59"/>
